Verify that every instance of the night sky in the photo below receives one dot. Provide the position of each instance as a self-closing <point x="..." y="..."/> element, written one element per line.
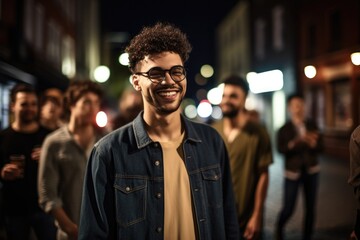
<point x="197" y="18"/>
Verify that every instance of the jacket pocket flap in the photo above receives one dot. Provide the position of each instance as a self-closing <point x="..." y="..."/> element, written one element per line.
<point x="213" y="174"/>
<point x="129" y="185"/>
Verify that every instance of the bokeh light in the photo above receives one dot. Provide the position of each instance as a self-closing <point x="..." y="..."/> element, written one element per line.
<point x="207" y="71"/>
<point x="190" y="111"/>
<point x="310" y="71"/>
<point x="215" y="95"/>
<point x="124" y="59"/>
<point x="101" y="119"/>
<point x="204" y="109"/>
<point x="355" y="58"/>
<point x="216" y="113"/>
<point x="101" y="74"/>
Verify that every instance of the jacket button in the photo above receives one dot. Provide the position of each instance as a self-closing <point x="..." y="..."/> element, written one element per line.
<point x="159" y="229"/>
<point x="156" y="144"/>
<point x="127" y="189"/>
<point x="157" y="163"/>
<point x="158" y="195"/>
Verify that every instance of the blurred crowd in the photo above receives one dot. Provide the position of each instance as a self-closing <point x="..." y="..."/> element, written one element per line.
<point x="41" y="193"/>
<point x="44" y="153"/>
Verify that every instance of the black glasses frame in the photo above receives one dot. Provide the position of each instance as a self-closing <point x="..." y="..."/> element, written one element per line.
<point x="163" y="73"/>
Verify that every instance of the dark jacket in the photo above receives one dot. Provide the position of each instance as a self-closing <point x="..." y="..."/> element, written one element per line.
<point x="354" y="176"/>
<point x="125" y="175"/>
<point x="301" y="156"/>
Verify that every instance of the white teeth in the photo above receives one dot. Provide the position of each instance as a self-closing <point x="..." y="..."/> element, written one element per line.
<point x="167" y="94"/>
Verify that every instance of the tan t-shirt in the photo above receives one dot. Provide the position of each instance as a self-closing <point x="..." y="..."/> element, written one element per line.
<point x="179" y="220"/>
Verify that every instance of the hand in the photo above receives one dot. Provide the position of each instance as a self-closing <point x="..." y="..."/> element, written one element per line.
<point x="353" y="236"/>
<point x="35" y="154"/>
<point x="252" y="228"/>
<point x="311" y="138"/>
<point x="71" y="230"/>
<point x="11" y="172"/>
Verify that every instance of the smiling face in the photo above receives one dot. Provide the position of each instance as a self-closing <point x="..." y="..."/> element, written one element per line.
<point x="165" y="97"/>
<point x="233" y="100"/>
<point x="25" y="107"/>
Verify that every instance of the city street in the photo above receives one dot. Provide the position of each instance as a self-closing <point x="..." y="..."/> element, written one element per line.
<point x="335" y="208"/>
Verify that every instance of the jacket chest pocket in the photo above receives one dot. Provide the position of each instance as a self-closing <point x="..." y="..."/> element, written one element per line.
<point x="130" y="200"/>
<point x="213" y="188"/>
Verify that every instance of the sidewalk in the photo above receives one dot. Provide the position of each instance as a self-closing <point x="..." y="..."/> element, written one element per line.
<point x="335" y="207"/>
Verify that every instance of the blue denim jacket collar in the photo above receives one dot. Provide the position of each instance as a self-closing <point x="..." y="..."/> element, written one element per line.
<point x="143" y="139"/>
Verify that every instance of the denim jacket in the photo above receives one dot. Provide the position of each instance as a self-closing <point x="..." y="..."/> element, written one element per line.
<point x="124" y="184"/>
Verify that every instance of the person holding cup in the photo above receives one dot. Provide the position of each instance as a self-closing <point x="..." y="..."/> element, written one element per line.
<point x="20" y="146"/>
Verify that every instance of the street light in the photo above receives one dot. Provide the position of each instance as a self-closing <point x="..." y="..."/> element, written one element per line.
<point x="101" y="74"/>
<point x="355" y="58"/>
<point x="310" y="71"/>
<point x="124" y="59"/>
<point x="207" y="71"/>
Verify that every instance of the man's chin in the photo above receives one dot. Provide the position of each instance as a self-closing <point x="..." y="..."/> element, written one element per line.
<point x="168" y="110"/>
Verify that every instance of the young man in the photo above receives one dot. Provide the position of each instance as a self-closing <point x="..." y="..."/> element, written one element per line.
<point x="162" y="176"/>
<point x="19" y="155"/>
<point x="51" y="111"/>
<point x="300" y="142"/>
<point x="250" y="154"/>
<point x="64" y="158"/>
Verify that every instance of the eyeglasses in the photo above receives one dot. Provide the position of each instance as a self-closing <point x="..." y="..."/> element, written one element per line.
<point x="157" y="74"/>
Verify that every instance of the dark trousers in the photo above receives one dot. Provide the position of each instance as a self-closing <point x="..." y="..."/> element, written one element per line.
<point x="310" y="184"/>
<point x="18" y="227"/>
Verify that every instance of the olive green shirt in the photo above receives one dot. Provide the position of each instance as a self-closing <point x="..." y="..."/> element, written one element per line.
<point x="250" y="154"/>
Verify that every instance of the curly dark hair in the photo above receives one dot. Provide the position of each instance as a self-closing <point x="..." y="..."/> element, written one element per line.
<point x="161" y="37"/>
<point x="79" y="88"/>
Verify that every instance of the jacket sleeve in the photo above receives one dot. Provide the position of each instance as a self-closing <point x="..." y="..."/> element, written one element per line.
<point x="97" y="218"/>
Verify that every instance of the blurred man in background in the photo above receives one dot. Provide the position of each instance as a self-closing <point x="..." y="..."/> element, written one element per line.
<point x="20" y="146"/>
<point x="300" y="142"/>
<point x="51" y="111"/>
<point x="249" y="147"/>
<point x="130" y="105"/>
<point x="65" y="155"/>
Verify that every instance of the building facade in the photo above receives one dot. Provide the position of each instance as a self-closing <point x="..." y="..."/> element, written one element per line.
<point x="329" y="32"/>
<point x="46" y="43"/>
<point x="257" y="37"/>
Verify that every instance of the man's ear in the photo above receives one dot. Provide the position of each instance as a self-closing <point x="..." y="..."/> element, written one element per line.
<point x="135" y="82"/>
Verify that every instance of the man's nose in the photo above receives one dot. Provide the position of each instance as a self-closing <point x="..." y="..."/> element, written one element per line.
<point x="167" y="78"/>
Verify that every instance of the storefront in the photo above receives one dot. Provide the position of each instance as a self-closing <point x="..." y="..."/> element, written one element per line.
<point x="332" y="95"/>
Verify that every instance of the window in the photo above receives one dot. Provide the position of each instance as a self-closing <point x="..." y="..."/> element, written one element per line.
<point x="260" y="39"/>
<point x="53" y="46"/>
<point x="311" y="41"/>
<point x="68" y="57"/>
<point x="335" y="31"/>
<point x="342" y="117"/>
<point x="39" y="27"/>
<point x="28" y="24"/>
<point x="278" y="28"/>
